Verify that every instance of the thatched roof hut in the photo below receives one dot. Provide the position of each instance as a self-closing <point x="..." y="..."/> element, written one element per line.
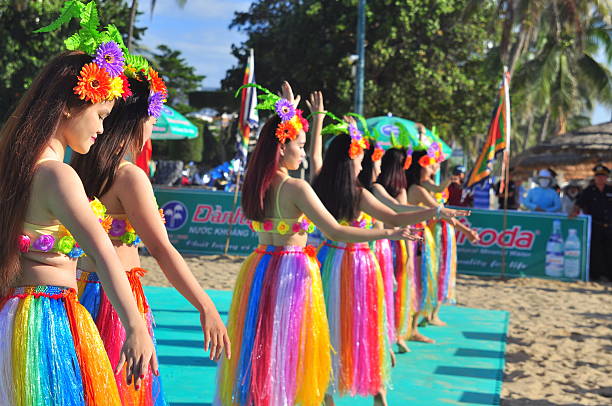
<point x="572" y="154"/>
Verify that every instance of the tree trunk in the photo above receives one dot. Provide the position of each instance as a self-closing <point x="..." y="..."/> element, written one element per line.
<point x="529" y="130"/>
<point x="544" y="128"/>
<point x="133" y="9"/>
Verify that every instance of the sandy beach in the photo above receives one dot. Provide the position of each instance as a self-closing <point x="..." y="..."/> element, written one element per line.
<point x="559" y="349"/>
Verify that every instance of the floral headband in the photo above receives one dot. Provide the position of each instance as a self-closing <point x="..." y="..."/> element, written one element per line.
<point x="378" y="152"/>
<point x="292" y="120"/>
<point x="434" y="155"/>
<point x="408" y="160"/>
<point x="105" y="77"/>
<point x="359" y="142"/>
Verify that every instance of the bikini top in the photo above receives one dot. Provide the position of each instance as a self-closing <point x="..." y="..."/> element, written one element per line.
<point x="118" y="226"/>
<point x="363" y="221"/>
<point x="55" y="238"/>
<point x="280" y="225"/>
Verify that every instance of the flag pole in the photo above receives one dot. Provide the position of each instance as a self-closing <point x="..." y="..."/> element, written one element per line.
<point x="504" y="182"/>
<point x="249" y="99"/>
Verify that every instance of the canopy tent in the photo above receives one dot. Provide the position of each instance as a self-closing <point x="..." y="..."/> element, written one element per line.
<point x="172" y="125"/>
<point x="383" y="127"/>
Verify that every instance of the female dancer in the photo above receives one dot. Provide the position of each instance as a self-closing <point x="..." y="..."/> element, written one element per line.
<point x="351" y="276"/>
<point x="126" y="192"/>
<point x="277" y="321"/>
<point x="437" y="287"/>
<point x="50" y="350"/>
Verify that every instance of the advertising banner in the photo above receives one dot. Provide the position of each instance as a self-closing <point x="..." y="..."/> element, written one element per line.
<point x="198" y="221"/>
<point x="536" y="244"/>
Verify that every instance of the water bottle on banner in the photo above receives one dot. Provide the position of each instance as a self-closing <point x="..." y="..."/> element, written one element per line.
<point x="571" y="259"/>
<point x="554" y="252"/>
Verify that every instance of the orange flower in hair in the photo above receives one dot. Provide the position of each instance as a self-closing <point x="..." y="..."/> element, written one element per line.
<point x="377" y="154"/>
<point x="408" y="162"/>
<point x="426" y="160"/>
<point x="355" y="149"/>
<point x="157" y="83"/>
<point x="286" y="130"/>
<point x="93" y="83"/>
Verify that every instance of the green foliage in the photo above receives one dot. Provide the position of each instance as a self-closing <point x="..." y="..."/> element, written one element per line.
<point x="425" y="61"/>
<point x="180" y="77"/>
<point x="23" y="52"/>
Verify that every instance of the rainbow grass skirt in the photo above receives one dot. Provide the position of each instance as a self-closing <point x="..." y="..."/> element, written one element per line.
<point x="446" y="267"/>
<point x="384" y="256"/>
<point x="281" y="352"/>
<point x="402" y="253"/>
<point x="355" y="301"/>
<point x="93" y="298"/>
<point x="50" y="351"/>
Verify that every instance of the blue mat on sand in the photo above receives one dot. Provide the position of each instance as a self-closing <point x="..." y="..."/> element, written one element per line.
<point x="464" y="367"/>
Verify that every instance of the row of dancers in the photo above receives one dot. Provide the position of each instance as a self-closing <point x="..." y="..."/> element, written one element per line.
<point x="309" y="323"/>
<point x="304" y="324"/>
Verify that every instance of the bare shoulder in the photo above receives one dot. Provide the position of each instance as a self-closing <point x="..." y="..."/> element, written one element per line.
<point x="56" y="175"/>
<point x="296" y="184"/>
<point x="130" y="176"/>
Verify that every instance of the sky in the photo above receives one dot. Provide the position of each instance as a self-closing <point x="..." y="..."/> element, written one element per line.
<point x="200" y="31"/>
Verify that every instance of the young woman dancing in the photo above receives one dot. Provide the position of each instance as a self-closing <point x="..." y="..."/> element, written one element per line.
<point x="436" y="255"/>
<point x="132" y="216"/>
<point x="277" y="321"/>
<point x="50" y="350"/>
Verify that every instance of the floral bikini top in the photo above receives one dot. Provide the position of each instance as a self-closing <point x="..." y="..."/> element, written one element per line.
<point x="363" y="221"/>
<point x="281" y="225"/>
<point x="55" y="238"/>
<point x="118" y="226"/>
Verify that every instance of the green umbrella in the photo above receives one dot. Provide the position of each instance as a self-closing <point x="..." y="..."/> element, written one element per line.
<point x="404" y="131"/>
<point x="172" y="125"/>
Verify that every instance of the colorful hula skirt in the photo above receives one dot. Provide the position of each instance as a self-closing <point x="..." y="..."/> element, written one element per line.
<point x="446" y="249"/>
<point x="425" y="270"/>
<point x="50" y="351"/>
<point x="384" y="255"/>
<point x="93" y="298"/>
<point x="281" y="353"/>
<point x="404" y="294"/>
<point x="355" y="301"/>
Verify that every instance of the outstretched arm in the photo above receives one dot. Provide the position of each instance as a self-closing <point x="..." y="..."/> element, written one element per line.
<point x="307" y="201"/>
<point x="137" y="198"/>
<point x="316" y="107"/>
<point x="432" y="187"/>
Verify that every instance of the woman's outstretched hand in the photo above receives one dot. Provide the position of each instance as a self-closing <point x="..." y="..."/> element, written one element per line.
<point x="137" y="354"/>
<point x="215" y="334"/>
<point x="287" y="93"/>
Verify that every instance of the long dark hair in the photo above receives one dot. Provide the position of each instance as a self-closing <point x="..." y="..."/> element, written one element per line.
<point x="367" y="167"/>
<point x="123" y="133"/>
<point x="336" y="185"/>
<point x="23" y="138"/>
<point x="262" y="166"/>
<point x="413" y="174"/>
<point x="392" y="176"/>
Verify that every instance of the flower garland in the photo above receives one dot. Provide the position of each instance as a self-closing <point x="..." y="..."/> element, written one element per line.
<point x="434" y="155"/>
<point x="292" y="119"/>
<point x="378" y="152"/>
<point x="359" y="142"/>
<point x="106" y="77"/>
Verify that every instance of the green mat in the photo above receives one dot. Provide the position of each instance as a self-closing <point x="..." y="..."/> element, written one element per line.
<point x="465" y="367"/>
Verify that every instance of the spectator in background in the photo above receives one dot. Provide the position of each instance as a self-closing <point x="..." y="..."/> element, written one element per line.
<point x="570" y="195"/>
<point x="482" y="194"/>
<point x="513" y="196"/>
<point x="456" y="195"/>
<point x="596" y="200"/>
<point x="543" y="198"/>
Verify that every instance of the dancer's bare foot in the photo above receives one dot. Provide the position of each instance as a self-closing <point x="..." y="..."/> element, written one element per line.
<point x="329" y="400"/>
<point x="402" y="346"/>
<point x="393" y="361"/>
<point x="435" y="321"/>
<point x="421" y="338"/>
<point x="381" y="398"/>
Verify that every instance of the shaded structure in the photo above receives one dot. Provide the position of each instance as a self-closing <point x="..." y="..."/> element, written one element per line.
<point x="572" y="154"/>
